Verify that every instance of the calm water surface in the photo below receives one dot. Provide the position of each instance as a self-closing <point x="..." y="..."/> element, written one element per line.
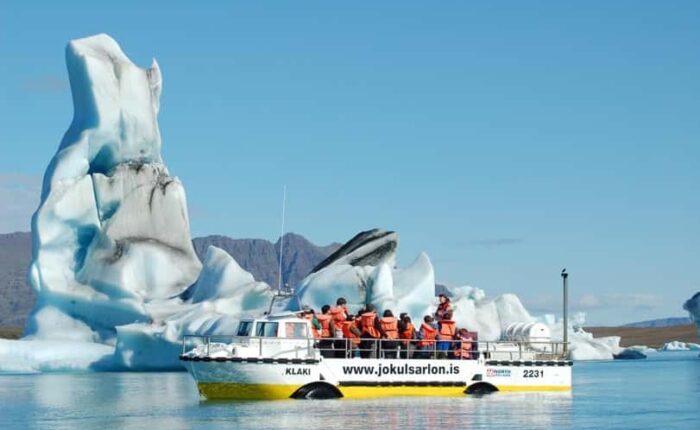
<point x="661" y="392"/>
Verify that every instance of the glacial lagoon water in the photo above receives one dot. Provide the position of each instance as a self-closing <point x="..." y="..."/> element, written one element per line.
<point x="660" y="392"/>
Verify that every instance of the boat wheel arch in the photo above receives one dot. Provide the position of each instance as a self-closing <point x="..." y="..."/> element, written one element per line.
<point x="481" y="388"/>
<point x="318" y="390"/>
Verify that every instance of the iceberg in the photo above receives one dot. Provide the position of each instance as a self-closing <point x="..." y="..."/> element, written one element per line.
<point x="117" y="280"/>
<point x="113" y="264"/>
<point x="646" y="350"/>
<point x="34" y="356"/>
<point x="363" y="271"/>
<point x="111" y="232"/>
<point x="680" y="346"/>
<point x="692" y="305"/>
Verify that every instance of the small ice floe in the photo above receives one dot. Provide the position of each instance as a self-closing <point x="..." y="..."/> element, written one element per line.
<point x="680" y="346"/>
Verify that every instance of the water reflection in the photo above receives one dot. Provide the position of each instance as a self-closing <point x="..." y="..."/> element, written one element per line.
<point x="539" y="410"/>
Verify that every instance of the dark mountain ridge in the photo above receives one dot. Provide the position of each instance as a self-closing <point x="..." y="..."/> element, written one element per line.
<point x="261" y="257"/>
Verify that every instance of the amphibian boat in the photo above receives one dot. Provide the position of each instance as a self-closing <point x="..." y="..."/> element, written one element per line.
<point x="276" y="357"/>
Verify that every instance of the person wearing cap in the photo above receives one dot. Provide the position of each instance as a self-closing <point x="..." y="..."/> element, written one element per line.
<point x="443" y="307"/>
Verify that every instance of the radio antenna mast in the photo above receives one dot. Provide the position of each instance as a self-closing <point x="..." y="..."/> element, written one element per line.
<point x="284" y="204"/>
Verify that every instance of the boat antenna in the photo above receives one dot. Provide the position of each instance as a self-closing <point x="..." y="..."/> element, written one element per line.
<point x="565" y="317"/>
<point x="284" y="204"/>
<point x="279" y="293"/>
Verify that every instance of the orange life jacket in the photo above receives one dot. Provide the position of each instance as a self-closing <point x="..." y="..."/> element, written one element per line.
<point x="338" y="314"/>
<point x="390" y="326"/>
<point x="442" y="310"/>
<point x="314" y="331"/>
<point x="348" y="334"/>
<point x="465" y="347"/>
<point x="447" y="330"/>
<point x="325" y="321"/>
<point x="407" y="333"/>
<point x="367" y="323"/>
<point x="429" y="334"/>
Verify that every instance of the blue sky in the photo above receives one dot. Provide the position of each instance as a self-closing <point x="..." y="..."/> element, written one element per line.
<point x="505" y="139"/>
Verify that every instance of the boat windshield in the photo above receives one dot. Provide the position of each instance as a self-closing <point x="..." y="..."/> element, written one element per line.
<point x="244" y="328"/>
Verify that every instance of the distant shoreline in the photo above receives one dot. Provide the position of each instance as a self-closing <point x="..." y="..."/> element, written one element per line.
<point x="653" y="337"/>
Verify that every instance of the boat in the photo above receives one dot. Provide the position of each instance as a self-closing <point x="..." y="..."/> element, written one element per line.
<point x="277" y="357"/>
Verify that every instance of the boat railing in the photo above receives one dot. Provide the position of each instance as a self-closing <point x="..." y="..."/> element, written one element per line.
<point x="440" y="349"/>
<point x="271" y="347"/>
<point x="213" y="345"/>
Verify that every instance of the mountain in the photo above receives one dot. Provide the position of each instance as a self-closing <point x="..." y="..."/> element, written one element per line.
<point x="261" y="257"/>
<point x="661" y="322"/>
<point x="16" y="297"/>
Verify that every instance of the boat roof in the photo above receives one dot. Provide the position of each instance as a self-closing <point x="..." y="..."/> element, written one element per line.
<point x="283" y="315"/>
<point x="275" y="316"/>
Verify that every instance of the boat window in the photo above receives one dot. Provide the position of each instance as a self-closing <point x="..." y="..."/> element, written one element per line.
<point x="266" y="329"/>
<point x="295" y="329"/>
<point x="244" y="328"/>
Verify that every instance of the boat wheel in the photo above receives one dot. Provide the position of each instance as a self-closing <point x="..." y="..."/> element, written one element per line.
<point x="480" y="389"/>
<point x="317" y="390"/>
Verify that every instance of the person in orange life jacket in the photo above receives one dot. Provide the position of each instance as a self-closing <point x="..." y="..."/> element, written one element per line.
<point x="444" y="307"/>
<point x="406" y="333"/>
<point x="463" y="349"/>
<point x="447" y="330"/>
<point x="327" y="332"/>
<point x="310" y="315"/>
<point x="339" y="313"/>
<point x="352" y="336"/>
<point x="390" y="327"/>
<point x="371" y="332"/>
<point x="426" y="338"/>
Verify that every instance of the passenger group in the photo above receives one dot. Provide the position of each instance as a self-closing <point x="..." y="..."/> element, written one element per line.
<point x="341" y="334"/>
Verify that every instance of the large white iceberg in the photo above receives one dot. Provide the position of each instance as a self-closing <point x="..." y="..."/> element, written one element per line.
<point x="113" y="265"/>
<point x="117" y="279"/>
<point x="111" y="231"/>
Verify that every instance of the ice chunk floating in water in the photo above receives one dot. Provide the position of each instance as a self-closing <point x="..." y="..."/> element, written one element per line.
<point x="680" y="346"/>
<point x="117" y="279"/>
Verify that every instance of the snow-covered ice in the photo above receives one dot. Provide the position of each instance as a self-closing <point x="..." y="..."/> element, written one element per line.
<point x="31" y="356"/>
<point x="117" y="280"/>
<point x="642" y="348"/>
<point x="680" y="346"/>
